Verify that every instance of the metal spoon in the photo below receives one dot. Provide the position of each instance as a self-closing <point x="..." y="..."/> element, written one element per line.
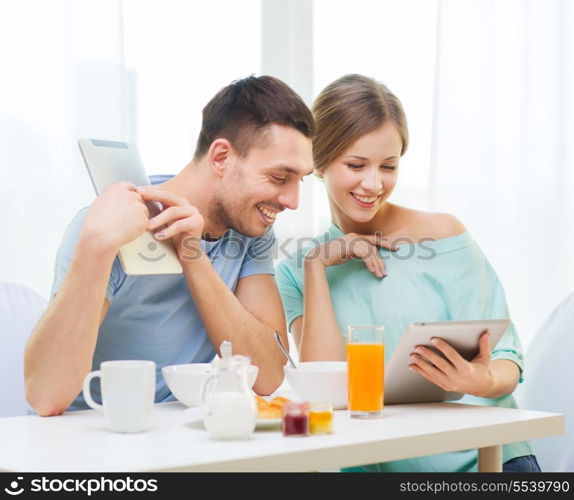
<point x="285" y="351"/>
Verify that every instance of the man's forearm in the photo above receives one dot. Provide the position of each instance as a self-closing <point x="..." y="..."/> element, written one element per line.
<point x="225" y="318"/>
<point x="60" y="349"/>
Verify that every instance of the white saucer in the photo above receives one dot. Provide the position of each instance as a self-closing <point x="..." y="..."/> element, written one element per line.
<point x="267" y="423"/>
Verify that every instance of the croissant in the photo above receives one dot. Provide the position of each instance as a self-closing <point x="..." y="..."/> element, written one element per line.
<point x="270" y="409"/>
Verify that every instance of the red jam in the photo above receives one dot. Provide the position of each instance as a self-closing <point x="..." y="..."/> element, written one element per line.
<point x="295" y="419"/>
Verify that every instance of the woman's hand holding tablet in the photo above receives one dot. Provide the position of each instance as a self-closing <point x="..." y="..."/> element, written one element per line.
<point x="457" y="362"/>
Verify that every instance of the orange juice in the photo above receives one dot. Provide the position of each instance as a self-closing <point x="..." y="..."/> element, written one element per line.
<point x="366" y="368"/>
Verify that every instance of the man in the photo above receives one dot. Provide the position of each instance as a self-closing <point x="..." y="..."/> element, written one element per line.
<point x="252" y="152"/>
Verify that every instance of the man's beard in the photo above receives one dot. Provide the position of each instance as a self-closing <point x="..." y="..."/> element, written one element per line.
<point x="220" y="216"/>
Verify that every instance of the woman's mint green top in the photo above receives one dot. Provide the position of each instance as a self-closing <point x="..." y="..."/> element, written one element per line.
<point x="446" y="279"/>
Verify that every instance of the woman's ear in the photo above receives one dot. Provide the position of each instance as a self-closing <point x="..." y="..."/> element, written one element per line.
<point x="219" y="156"/>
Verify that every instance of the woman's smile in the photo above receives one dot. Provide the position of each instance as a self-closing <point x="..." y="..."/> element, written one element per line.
<point x="365" y="201"/>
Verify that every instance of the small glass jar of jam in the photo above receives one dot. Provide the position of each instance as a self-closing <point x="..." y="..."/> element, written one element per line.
<point x="295" y="419"/>
<point x="321" y="417"/>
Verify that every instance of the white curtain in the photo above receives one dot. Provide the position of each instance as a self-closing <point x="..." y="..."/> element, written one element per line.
<point x="178" y="54"/>
<point x="61" y="78"/>
<point x="502" y="147"/>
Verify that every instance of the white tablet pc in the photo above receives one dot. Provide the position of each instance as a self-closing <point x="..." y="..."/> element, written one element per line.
<point x="406" y="386"/>
<point x="109" y="162"/>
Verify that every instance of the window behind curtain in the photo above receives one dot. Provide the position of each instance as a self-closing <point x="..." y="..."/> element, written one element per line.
<point x="178" y="54"/>
<point x="393" y="42"/>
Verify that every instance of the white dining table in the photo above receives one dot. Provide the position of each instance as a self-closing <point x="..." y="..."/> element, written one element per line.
<point x="178" y="441"/>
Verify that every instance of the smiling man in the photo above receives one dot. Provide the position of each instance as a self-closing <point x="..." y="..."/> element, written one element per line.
<point x="252" y="152"/>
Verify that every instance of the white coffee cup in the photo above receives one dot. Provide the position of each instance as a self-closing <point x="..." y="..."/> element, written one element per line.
<point x="128" y="392"/>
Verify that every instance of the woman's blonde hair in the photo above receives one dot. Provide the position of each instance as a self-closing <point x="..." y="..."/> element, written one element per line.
<point x="349" y="108"/>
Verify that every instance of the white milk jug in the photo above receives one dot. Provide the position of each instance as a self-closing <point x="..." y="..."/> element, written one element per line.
<point x="229" y="409"/>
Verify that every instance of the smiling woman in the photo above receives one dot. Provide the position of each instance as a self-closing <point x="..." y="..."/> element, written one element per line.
<point x="357" y="272"/>
<point x="359" y="184"/>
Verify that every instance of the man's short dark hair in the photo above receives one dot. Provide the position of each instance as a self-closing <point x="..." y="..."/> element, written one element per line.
<point x="243" y="110"/>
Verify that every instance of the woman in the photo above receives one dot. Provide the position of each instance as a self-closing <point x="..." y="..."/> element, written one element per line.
<point x="384" y="264"/>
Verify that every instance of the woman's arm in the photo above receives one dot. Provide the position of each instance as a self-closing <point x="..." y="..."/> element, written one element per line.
<point x="472" y="291"/>
<point x="505" y="376"/>
<point x="317" y="333"/>
<point x="319" y="336"/>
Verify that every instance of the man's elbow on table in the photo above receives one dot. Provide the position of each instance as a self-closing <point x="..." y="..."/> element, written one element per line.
<point x="46" y="409"/>
<point x="43" y="404"/>
<point x="268" y="383"/>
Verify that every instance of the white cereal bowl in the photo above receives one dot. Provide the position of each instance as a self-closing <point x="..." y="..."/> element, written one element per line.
<point x="320" y="381"/>
<point x="186" y="381"/>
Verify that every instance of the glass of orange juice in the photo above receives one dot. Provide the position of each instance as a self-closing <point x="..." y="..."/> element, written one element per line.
<point x="366" y="370"/>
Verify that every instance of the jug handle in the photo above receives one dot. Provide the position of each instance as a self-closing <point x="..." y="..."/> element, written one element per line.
<point x="204" y="388"/>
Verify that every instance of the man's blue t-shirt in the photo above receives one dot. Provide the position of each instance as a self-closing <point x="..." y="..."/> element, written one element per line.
<point x="155" y="317"/>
